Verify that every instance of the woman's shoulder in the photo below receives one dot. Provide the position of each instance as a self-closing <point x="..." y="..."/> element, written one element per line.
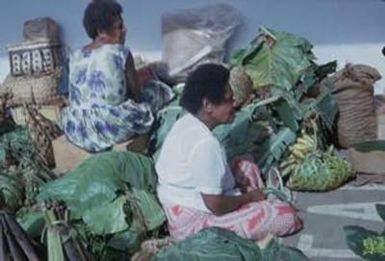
<point x="112" y="48"/>
<point x="105" y="49"/>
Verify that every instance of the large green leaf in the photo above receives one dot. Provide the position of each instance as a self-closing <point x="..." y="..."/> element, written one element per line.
<point x="276" y="251"/>
<point x="107" y="219"/>
<point x="211" y="244"/>
<point x="149" y="208"/>
<point x="32" y="222"/>
<point x="165" y="120"/>
<point x="287" y="114"/>
<point x="273" y="148"/>
<point x="130" y="239"/>
<point x="240" y="136"/>
<point x="354" y="236"/>
<point x="324" y="105"/>
<point x="368" y="146"/>
<point x="137" y="171"/>
<point x="275" y="58"/>
<point x="91" y="184"/>
<point x="91" y="190"/>
<point x="381" y="211"/>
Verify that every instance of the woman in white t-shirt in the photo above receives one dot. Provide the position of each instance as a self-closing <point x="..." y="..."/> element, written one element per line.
<point x="196" y="186"/>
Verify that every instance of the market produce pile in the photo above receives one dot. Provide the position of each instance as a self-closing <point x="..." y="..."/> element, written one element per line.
<point x="109" y="200"/>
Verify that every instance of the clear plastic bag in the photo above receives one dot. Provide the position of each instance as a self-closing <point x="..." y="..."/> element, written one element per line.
<point x="198" y="35"/>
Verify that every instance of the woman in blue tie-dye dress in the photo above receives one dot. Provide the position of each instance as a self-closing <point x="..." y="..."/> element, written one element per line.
<point x="106" y="104"/>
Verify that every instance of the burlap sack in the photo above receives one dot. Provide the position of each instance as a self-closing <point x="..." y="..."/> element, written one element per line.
<point x="354" y="94"/>
<point x="42" y="28"/>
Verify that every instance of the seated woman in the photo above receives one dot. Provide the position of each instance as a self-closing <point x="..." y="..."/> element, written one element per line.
<point x="196" y="186"/>
<point x="106" y="104"/>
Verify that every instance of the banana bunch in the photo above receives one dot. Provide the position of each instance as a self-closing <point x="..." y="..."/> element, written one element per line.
<point x="322" y="171"/>
<point x="304" y="145"/>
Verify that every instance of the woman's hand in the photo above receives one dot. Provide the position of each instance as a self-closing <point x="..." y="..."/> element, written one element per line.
<point x="246" y="174"/>
<point x="256" y="195"/>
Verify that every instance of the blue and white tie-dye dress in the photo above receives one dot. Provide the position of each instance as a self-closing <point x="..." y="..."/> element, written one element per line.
<point x="99" y="113"/>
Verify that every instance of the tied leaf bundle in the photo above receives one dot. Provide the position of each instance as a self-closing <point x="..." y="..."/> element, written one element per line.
<point x="14" y="242"/>
<point x="61" y="240"/>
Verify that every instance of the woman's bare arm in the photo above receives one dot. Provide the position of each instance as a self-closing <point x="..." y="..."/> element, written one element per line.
<point x="221" y="204"/>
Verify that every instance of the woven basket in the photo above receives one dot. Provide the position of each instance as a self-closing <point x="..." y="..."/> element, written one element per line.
<point x="33" y="90"/>
<point x="353" y="91"/>
<point x="42" y="131"/>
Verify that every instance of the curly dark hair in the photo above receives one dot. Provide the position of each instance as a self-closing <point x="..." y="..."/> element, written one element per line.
<point x="208" y="81"/>
<point x="100" y="15"/>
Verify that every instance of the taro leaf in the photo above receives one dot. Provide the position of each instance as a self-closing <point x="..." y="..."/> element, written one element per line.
<point x="276" y="251"/>
<point x="128" y="240"/>
<point x="137" y="170"/>
<point x="354" y="236"/>
<point x="327" y="107"/>
<point x="369" y="146"/>
<point x="33" y="223"/>
<point x="146" y="215"/>
<point x="273" y="148"/>
<point x="279" y="64"/>
<point x="239" y="136"/>
<point x="92" y="184"/>
<point x="286" y="113"/>
<point x="325" y="69"/>
<point x="306" y="81"/>
<point x="381" y="211"/>
<point x="324" y="105"/>
<point x="166" y="119"/>
<point x="150" y="209"/>
<point x="212" y="244"/>
<point x="95" y="181"/>
<point x="107" y="219"/>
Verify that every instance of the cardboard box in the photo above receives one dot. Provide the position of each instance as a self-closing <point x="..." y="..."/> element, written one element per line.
<point x="68" y="156"/>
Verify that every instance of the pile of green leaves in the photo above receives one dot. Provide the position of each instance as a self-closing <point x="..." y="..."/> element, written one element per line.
<point x="22" y="171"/>
<point x="275" y="58"/>
<point x="113" y="194"/>
<point x="221" y="244"/>
<point x="368" y="244"/>
<point x="283" y="65"/>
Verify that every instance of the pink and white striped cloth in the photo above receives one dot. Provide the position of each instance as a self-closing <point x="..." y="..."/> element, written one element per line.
<point x="253" y="220"/>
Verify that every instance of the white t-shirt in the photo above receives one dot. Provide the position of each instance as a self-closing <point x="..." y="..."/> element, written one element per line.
<point x="192" y="161"/>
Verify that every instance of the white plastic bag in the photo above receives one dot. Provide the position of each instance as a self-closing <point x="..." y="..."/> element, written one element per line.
<point x="195" y="36"/>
